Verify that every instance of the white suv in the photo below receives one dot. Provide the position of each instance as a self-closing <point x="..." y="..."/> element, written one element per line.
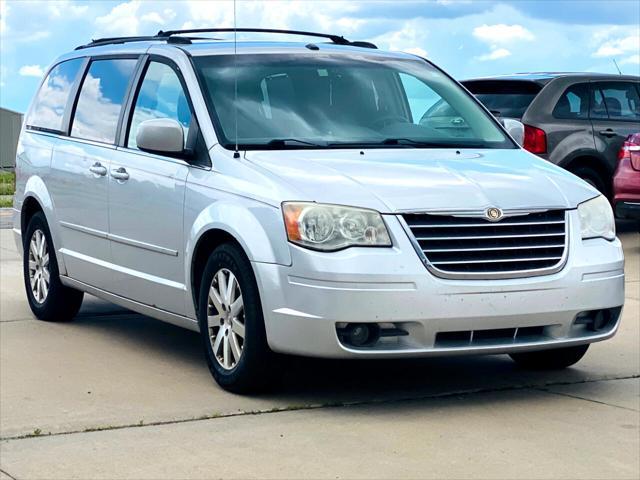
<point x="305" y="199"/>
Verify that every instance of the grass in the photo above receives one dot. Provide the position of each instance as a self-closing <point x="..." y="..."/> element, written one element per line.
<point x="7" y="188"/>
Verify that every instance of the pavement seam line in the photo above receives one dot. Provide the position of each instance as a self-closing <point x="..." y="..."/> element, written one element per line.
<point x="7" y="474"/>
<point x="577" y="397"/>
<point x="344" y="404"/>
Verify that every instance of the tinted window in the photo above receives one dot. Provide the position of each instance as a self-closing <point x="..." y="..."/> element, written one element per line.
<point x="620" y="100"/>
<point x="598" y="108"/>
<point x="161" y="96"/>
<point x="48" y="108"/>
<point x="574" y="102"/>
<point x="505" y="98"/>
<point x="101" y="98"/>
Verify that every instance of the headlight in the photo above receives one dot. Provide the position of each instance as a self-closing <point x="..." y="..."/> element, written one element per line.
<point x="333" y="227"/>
<point x="596" y="219"/>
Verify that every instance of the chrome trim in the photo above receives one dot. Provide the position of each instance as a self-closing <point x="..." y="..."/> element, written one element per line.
<point x="509" y="212"/>
<point x="143" y="245"/>
<point x="497" y="224"/>
<point x="119" y="239"/>
<point x="82" y="229"/>
<point x="475" y="237"/>
<point x="138" y="307"/>
<point x="500" y="260"/>
<point x="488" y="275"/>
<point x="484" y="249"/>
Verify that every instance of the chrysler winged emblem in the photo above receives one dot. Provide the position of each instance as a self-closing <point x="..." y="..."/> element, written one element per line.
<point x="493" y="214"/>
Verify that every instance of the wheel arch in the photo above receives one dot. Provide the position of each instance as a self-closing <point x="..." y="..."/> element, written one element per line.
<point x="599" y="165"/>
<point x="258" y="230"/>
<point x="36" y="198"/>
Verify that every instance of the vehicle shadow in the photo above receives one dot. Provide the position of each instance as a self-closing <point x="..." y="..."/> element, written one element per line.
<point x="307" y="381"/>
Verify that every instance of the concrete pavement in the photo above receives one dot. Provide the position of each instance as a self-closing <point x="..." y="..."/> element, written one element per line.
<point x="144" y="385"/>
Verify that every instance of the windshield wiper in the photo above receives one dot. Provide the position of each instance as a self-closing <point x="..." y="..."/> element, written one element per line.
<point x="292" y="142"/>
<point x="406" y="142"/>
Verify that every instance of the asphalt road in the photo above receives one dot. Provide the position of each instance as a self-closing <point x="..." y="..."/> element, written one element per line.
<point x="118" y="395"/>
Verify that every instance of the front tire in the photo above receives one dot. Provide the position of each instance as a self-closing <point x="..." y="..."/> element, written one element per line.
<point x="232" y="324"/>
<point x="48" y="298"/>
<point x="554" y="359"/>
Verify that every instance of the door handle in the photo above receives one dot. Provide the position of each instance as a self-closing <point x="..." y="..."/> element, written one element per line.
<point x="98" y="169"/>
<point x="607" y="133"/>
<point x="120" y="174"/>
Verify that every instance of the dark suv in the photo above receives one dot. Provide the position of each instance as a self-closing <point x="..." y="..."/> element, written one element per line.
<point x="576" y="120"/>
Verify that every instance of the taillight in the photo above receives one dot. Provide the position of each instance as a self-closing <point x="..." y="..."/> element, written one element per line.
<point x="631" y="150"/>
<point x="535" y="139"/>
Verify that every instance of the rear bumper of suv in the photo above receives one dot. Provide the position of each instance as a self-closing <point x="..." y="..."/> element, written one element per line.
<point x="308" y="305"/>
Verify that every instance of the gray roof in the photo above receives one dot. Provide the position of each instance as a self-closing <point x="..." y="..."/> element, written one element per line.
<point x="545" y="77"/>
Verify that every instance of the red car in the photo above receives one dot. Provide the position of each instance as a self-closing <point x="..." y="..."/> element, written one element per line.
<point x="626" y="180"/>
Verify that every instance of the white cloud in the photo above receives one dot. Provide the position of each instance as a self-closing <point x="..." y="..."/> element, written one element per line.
<point x="165" y="17"/>
<point x="633" y="59"/>
<point x="4" y="10"/>
<point x="421" y="52"/>
<point x="619" y="46"/>
<point x="31" y="71"/>
<point x="502" y="34"/>
<point x="494" y="55"/>
<point x="121" y="20"/>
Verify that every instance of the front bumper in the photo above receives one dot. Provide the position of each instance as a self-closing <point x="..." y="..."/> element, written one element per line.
<point x="629" y="210"/>
<point x="304" y="303"/>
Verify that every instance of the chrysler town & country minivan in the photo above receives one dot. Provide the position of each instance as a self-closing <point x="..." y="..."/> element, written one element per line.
<point x="295" y="198"/>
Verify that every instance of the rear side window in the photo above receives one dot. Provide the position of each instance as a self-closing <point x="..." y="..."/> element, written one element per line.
<point x="161" y="96"/>
<point x="49" y="106"/>
<point x="505" y="98"/>
<point x="101" y="97"/>
<point x="574" y="102"/>
<point x="618" y="99"/>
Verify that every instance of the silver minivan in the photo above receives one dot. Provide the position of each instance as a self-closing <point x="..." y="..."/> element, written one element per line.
<point x="304" y="198"/>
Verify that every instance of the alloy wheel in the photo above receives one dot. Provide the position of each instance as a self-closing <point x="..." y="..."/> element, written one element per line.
<point x="225" y="319"/>
<point x="39" y="274"/>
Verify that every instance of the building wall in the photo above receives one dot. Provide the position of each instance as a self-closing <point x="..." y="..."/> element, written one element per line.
<point x="10" y="125"/>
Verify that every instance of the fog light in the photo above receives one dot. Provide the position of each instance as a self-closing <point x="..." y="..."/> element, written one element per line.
<point x="360" y="334"/>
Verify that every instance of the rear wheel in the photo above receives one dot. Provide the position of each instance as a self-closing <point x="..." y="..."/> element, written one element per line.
<point x="592" y="177"/>
<point x="48" y="298"/>
<point x="554" y="359"/>
<point x="232" y="324"/>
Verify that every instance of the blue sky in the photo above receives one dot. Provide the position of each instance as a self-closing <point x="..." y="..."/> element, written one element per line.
<point x="467" y="38"/>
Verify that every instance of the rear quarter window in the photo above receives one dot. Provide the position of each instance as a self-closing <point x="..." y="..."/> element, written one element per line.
<point x="51" y="100"/>
<point x="574" y="102"/>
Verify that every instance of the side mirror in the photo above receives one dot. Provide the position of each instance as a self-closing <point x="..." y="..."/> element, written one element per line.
<point x="515" y="129"/>
<point x="160" y="135"/>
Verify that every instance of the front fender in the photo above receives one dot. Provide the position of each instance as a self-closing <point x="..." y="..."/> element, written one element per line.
<point x="256" y="226"/>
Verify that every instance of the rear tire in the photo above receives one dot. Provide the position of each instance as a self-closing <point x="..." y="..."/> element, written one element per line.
<point x="232" y="324"/>
<point x="554" y="359"/>
<point x="593" y="178"/>
<point x="48" y="298"/>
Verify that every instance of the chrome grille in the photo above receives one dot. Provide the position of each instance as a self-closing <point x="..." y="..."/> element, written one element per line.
<point x="473" y="247"/>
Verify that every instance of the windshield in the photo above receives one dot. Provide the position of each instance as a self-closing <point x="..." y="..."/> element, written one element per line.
<point x="333" y="101"/>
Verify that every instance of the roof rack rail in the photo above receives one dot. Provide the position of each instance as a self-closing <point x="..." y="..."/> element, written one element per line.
<point x="119" y="40"/>
<point x="175" y="36"/>
<point x="337" y="39"/>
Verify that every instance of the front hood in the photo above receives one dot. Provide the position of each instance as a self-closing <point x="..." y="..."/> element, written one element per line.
<point x="394" y="180"/>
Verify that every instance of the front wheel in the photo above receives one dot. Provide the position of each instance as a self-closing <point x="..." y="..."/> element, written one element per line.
<point x="554" y="359"/>
<point x="48" y="298"/>
<point x="232" y="324"/>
